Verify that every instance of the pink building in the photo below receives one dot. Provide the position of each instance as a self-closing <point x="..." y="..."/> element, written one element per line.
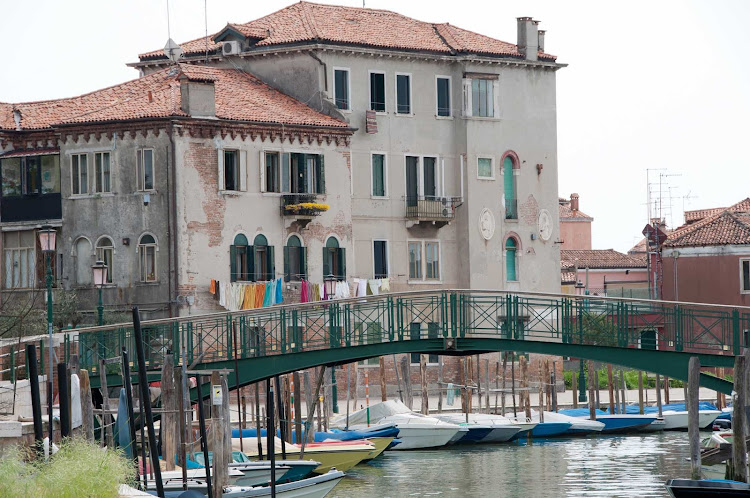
<point x="575" y="225"/>
<point x="603" y="272"/>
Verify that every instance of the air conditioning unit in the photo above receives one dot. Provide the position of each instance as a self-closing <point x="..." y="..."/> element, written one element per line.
<point x="230" y="48"/>
<point x="447" y="208"/>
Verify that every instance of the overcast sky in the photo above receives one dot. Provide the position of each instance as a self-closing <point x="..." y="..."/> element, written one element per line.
<point x="650" y="84"/>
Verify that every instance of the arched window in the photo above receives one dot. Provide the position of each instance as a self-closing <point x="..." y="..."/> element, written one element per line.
<point x="83" y="261"/>
<point x="510" y="260"/>
<point x="511" y="197"/>
<point x="334" y="260"/>
<point x="105" y="251"/>
<point x="238" y="259"/>
<point x="295" y="260"/>
<point x="263" y="267"/>
<point x="147" y="258"/>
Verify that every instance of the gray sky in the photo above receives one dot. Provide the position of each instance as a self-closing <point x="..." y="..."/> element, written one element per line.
<point x="651" y="84"/>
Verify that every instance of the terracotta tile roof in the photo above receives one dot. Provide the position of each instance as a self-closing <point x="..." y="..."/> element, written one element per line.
<point x="567" y="214"/>
<point x="599" y="259"/>
<point x="239" y="96"/>
<point x="694" y="215"/>
<point x="725" y="228"/>
<point x="639" y="248"/>
<point x="312" y="22"/>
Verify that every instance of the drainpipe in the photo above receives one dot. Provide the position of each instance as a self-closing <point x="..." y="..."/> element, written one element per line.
<point x="675" y="255"/>
<point x="172" y="222"/>
<point x="461" y="174"/>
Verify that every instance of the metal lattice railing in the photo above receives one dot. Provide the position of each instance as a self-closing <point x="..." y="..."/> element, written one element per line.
<point x="569" y="319"/>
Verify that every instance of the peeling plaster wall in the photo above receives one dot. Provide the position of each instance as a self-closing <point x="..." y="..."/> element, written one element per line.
<point x="208" y="220"/>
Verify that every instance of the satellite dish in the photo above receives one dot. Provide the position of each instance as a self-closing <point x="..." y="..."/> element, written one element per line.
<point x="173" y="51"/>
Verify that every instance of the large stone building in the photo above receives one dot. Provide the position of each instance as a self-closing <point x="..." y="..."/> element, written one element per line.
<point x="435" y="149"/>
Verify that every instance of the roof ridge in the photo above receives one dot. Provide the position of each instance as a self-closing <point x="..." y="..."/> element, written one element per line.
<point x="456" y="45"/>
<point x="686" y="230"/>
<point x="307" y="18"/>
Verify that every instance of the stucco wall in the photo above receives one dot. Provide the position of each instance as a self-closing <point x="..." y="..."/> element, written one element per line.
<point x="575" y="235"/>
<point x="705" y="275"/>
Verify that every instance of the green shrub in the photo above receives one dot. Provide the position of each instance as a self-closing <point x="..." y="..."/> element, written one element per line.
<point x="79" y="469"/>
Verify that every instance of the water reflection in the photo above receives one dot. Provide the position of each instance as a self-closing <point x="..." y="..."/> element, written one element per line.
<point x="600" y="466"/>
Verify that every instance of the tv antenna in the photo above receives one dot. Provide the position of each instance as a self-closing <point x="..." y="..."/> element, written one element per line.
<point x="172" y="50"/>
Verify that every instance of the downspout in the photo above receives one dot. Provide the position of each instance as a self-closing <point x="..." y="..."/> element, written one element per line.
<point x="325" y="70"/>
<point x="172" y="213"/>
<point x="461" y="174"/>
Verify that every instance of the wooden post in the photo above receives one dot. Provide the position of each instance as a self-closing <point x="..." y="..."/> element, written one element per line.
<point x="487" y="386"/>
<point x="513" y="383"/>
<point x="526" y="399"/>
<point x="169" y="417"/>
<point x="597" y="394"/>
<point x="220" y="472"/>
<point x="407" y="381"/>
<point x="738" y="469"/>
<point x="505" y="366"/>
<point x="623" y="389"/>
<point x="87" y="406"/>
<point x="298" y="406"/>
<point x="666" y="390"/>
<point x="182" y="452"/>
<point x="553" y="387"/>
<point x="611" y="389"/>
<point x="575" y="389"/>
<point x="640" y="392"/>
<point x="617" y="394"/>
<point x="398" y="379"/>
<point x="108" y="438"/>
<point x="542" y="388"/>
<point x="479" y="384"/>
<point x="440" y="384"/>
<point x="547" y="386"/>
<point x="592" y="398"/>
<point x="645" y="389"/>
<point x="497" y="383"/>
<point x="684" y="391"/>
<point x="469" y="384"/>
<point x="356" y="388"/>
<point x="257" y="421"/>
<point x="658" y="394"/>
<point x="694" y="373"/>
<point x="383" y="387"/>
<point x="423" y="381"/>
<point x="310" y="415"/>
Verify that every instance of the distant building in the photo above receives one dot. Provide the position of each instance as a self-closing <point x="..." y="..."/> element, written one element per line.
<point x="575" y="225"/>
<point x="603" y="272"/>
<point x="708" y="259"/>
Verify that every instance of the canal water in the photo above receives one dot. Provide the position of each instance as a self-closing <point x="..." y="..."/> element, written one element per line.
<point x="604" y="466"/>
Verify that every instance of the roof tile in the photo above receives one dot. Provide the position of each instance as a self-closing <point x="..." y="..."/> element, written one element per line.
<point x="598" y="259"/>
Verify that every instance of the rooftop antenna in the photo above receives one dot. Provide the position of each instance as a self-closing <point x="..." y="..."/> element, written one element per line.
<point x="172" y="50"/>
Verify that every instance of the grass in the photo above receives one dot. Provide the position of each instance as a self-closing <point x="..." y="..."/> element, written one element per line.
<point x="631" y="380"/>
<point x="80" y="469"/>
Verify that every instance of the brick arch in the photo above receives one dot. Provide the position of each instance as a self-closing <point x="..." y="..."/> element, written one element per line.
<point x="514" y="157"/>
<point x="517" y="238"/>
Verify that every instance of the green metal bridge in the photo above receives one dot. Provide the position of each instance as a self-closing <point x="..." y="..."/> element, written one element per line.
<point x="654" y="336"/>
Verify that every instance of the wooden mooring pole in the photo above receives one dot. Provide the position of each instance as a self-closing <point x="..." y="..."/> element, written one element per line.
<point x="423" y="380"/>
<point x="383" y="386"/>
<point x="640" y="392"/>
<point x="574" y="380"/>
<point x="694" y="373"/>
<point x="737" y="467"/>
<point x="610" y="383"/>
<point x="525" y="386"/>
<point x="658" y="394"/>
<point x="87" y="407"/>
<point x="592" y="399"/>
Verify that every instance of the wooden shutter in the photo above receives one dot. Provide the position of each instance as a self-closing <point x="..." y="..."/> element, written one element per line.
<point x="496" y="98"/>
<point x="232" y="263"/>
<point x="467" y="96"/>
<point x="270" y="263"/>
<point x="221" y="169"/>
<point x="262" y="168"/>
<point x="243" y="170"/>
<point x="303" y="262"/>
<point x="285" y="172"/>
<point x="287" y="263"/>
<point x="250" y="255"/>
<point x="327" y="257"/>
<point x="341" y="254"/>
<point x="321" y="175"/>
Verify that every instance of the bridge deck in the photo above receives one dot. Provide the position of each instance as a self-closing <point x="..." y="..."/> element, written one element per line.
<point x="656" y="336"/>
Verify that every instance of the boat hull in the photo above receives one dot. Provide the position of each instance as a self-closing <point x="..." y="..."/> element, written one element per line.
<point x="679" y="420"/>
<point x="624" y="423"/>
<point x="550" y="429"/>
<point x="416" y="438"/>
<point x="501" y="434"/>
<point x="313" y="487"/>
<point x="686" y="488"/>
<point x="381" y="444"/>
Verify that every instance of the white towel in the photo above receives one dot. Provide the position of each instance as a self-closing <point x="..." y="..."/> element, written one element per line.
<point x="76" y="417"/>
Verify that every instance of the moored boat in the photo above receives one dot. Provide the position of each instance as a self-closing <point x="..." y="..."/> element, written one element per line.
<point x="618" y="423"/>
<point x="687" y="488"/>
<point x="578" y="426"/>
<point x="496" y="429"/>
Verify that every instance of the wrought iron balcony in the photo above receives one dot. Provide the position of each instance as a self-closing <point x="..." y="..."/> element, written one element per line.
<point x="301" y="205"/>
<point x="431" y="208"/>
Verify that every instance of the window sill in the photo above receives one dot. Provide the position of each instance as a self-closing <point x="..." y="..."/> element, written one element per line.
<point x="404" y="114"/>
<point x="511" y="220"/>
<point x="97" y="195"/>
<point x="231" y="193"/>
<point x="380" y="113"/>
<point x="143" y="192"/>
<point x="426" y="282"/>
<point x="147" y="283"/>
<point x="380" y="198"/>
<point x="481" y="118"/>
<point x="445" y="118"/>
<point x="486" y="178"/>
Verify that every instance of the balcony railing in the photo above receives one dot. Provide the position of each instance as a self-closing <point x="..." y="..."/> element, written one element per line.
<point x="511" y="209"/>
<point x="301" y="205"/>
<point x="431" y="208"/>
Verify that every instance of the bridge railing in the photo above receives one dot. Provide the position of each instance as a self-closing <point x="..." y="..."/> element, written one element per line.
<point x="626" y="323"/>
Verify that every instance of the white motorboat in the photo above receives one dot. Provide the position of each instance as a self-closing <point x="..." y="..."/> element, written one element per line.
<point x="312" y="487"/>
<point x="577" y="425"/>
<point x="492" y="428"/>
<point x="254" y="473"/>
<point x="416" y="431"/>
<point x="526" y="424"/>
<point x="172" y="479"/>
<point x="676" y="420"/>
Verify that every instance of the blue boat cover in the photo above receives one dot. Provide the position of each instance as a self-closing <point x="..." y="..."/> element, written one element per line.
<point x="678" y="407"/>
<point x="580" y="412"/>
<point x="322" y="436"/>
<point x="122" y="427"/>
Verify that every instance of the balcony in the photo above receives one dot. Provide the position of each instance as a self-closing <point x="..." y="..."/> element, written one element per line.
<point x="430" y="209"/>
<point x="301" y="208"/>
<point x="511" y="209"/>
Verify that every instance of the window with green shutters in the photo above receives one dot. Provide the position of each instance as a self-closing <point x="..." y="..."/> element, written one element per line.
<point x="484" y="168"/>
<point x="443" y="96"/>
<point x="509" y="180"/>
<point x="239" y="261"/>
<point x="334" y="260"/>
<point x="377" y="92"/>
<point x="341" y="88"/>
<point x="378" y="175"/>
<point x="403" y="94"/>
<point x="295" y="260"/>
<point x="263" y="267"/>
<point x="293" y="173"/>
<point x="482" y="98"/>
<point x="510" y="260"/>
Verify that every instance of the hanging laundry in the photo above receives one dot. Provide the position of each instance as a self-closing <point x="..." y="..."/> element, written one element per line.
<point x="260" y="292"/>
<point x="323" y="292"/>
<point x="268" y="297"/>
<point x="385" y="285"/>
<point x="247" y="298"/>
<point x="373" y="287"/>
<point x="279" y="297"/>
<point x="303" y="297"/>
<point x="361" y="287"/>
<point x="222" y="296"/>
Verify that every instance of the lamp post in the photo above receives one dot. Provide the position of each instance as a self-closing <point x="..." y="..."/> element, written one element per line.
<point x="100" y="278"/>
<point x="47" y="237"/>
<point x="582" y="381"/>
<point x="330" y="284"/>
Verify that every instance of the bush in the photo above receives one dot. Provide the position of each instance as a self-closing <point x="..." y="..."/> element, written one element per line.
<point x="79" y="469"/>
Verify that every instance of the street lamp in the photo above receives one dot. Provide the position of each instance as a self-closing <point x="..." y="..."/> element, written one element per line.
<point x="100" y="278"/>
<point x="330" y="285"/>
<point x="329" y="281"/>
<point x="47" y="237"/>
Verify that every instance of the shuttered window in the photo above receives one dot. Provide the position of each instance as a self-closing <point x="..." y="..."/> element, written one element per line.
<point x="443" y="97"/>
<point x="403" y="94"/>
<point x="745" y="275"/>
<point x="341" y="88"/>
<point x="482" y="98"/>
<point x="295" y="260"/>
<point x="377" y="92"/>
<point x="380" y="258"/>
<point x="509" y="181"/>
<point x="378" y="175"/>
<point x="334" y="260"/>
<point x="510" y="260"/>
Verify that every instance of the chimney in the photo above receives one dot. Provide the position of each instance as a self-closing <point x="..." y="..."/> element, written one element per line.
<point x="574" y="202"/>
<point x="528" y="38"/>
<point x="541" y="39"/>
<point x="198" y="98"/>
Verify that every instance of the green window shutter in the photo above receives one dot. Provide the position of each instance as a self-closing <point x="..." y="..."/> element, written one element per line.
<point x="342" y="263"/>
<point x="303" y="262"/>
<point x="287" y="272"/>
<point x="321" y="176"/>
<point x="232" y="263"/>
<point x="510" y="260"/>
<point x="327" y="254"/>
<point x="250" y="255"/>
<point x="285" y="172"/>
<point x="509" y="189"/>
<point x="378" y="175"/>
<point x="271" y="263"/>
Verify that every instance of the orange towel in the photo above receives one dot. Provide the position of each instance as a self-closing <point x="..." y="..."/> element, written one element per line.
<point x="260" y="293"/>
<point x="247" y="301"/>
<point x="212" y="290"/>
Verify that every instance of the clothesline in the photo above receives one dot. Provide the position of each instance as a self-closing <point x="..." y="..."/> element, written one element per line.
<point x="235" y="296"/>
